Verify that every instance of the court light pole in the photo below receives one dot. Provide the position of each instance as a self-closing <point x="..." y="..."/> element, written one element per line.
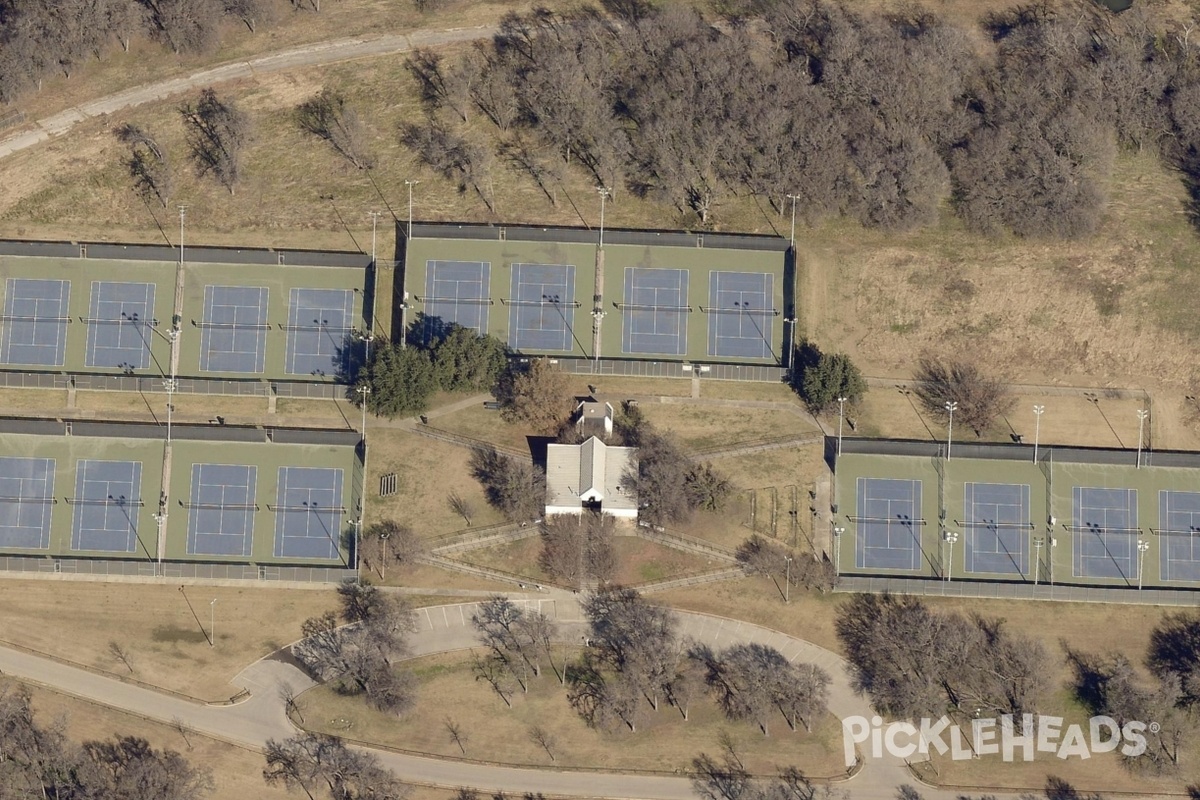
<point x="950" y="406"/>
<point x="170" y="385"/>
<point x="787" y="581"/>
<point x="357" y="523"/>
<point x="1053" y="544"/>
<point x="841" y="419"/>
<point x="182" y="211"/>
<point x="838" y="530"/>
<point x="161" y="519"/>
<point x="212" y="623"/>
<point x="410" y="185"/>
<point x="1037" y="558"/>
<point x="604" y="195"/>
<point x="1037" y="428"/>
<point x="1141" y="415"/>
<point x="951" y="537"/>
<point x="364" y="391"/>
<point x="793" y="198"/>
<point x="1143" y="546"/>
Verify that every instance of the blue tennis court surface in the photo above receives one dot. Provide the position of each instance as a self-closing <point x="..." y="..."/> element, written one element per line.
<point x="108" y="496"/>
<point x="35" y="322"/>
<point x="221" y="511"/>
<point x="119" y="325"/>
<point x="997" y="525"/>
<point x="26" y="502"/>
<point x="1106" y="532"/>
<point x="741" y="314"/>
<point x="889" y="516"/>
<point x="308" y="513"/>
<point x="541" y="314"/>
<point x="654" y="315"/>
<point x="1179" y="535"/>
<point x="319" y="331"/>
<point x="233" y="332"/>
<point x="456" y="293"/>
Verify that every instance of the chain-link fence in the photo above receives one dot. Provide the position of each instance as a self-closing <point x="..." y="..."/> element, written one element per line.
<point x="173" y="569"/>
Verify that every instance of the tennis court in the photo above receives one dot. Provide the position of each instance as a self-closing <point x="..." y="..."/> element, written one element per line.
<point x="888" y="521"/>
<point x="741" y="314"/>
<point x="26" y="502"/>
<point x="108" y="496"/>
<point x="541" y="314"/>
<point x="456" y="293"/>
<point x="119" y="325"/>
<point x="319" y="331"/>
<point x="1179" y="535"/>
<point x="308" y="513"/>
<point x="221" y="510"/>
<point x="1105" y="532"/>
<point x="997" y="527"/>
<point x="35" y="322"/>
<point x="654" y="315"/>
<point x="233" y="335"/>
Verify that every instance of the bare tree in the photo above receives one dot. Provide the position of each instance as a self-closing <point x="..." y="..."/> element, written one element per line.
<point x="979" y="399"/>
<point x="184" y="729"/>
<point x="494" y="670"/>
<point x="544" y="739"/>
<point x="457" y="735"/>
<point x="362" y="657"/>
<point x="148" y="165"/>
<point x="330" y="116"/>
<point x="187" y="26"/>
<point x="537" y="395"/>
<point x="217" y="132"/>
<point x="251" y="12"/>
<point x="392" y="542"/>
<point x="461" y="506"/>
<point x="313" y="762"/>
<point x="120" y="653"/>
<point x="515" y="488"/>
<point x="576" y="550"/>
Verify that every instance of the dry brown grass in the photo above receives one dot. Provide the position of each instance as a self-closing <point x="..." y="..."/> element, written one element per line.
<point x="480" y="423"/>
<point x="1068" y="420"/>
<point x="427" y="472"/>
<point x="497" y="733"/>
<point x="638" y="560"/>
<point x="699" y="427"/>
<point x="166" y="642"/>
<point x="236" y="771"/>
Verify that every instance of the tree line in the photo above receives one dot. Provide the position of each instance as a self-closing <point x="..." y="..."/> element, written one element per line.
<point x="636" y="663"/>
<point x="914" y="662"/>
<point x="38" y="760"/>
<point x="878" y="117"/>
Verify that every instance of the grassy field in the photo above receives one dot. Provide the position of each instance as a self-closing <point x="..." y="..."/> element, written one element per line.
<point x="236" y="771"/>
<point x="427" y="472"/>
<point x="638" y="561"/>
<point x="499" y="733"/>
<point x="165" y="637"/>
<point x="163" y="630"/>
<point x="701" y="427"/>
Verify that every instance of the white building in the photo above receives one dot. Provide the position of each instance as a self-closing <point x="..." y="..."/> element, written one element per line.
<point x="590" y="477"/>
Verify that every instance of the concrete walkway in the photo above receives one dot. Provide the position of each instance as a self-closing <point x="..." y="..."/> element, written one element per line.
<point x="315" y="54"/>
<point x="443" y="629"/>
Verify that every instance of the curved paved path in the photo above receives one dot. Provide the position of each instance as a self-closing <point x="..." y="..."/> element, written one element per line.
<point x="448" y="628"/>
<point x="315" y="54"/>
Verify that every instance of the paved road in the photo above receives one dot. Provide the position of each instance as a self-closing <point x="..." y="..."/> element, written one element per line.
<point x="316" y="54"/>
<point x="443" y="629"/>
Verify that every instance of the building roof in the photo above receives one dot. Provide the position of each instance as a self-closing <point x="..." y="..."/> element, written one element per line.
<point x="593" y="418"/>
<point x="588" y="472"/>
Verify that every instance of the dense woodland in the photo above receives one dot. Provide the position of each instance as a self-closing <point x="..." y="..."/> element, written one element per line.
<point x="879" y="118"/>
